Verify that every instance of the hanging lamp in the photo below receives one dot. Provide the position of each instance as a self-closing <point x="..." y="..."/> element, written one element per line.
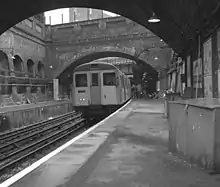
<point x="153" y="19"/>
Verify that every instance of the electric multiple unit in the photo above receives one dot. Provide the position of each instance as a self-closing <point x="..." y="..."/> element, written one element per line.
<point x="99" y="88"/>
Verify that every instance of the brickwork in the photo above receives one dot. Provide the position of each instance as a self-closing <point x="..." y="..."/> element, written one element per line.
<point x="22" y="58"/>
<point x="73" y="41"/>
<point x="15" y="42"/>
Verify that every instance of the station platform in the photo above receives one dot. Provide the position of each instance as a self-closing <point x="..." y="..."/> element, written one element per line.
<point x="128" y="149"/>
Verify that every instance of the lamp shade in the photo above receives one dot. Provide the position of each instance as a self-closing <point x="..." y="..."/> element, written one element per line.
<point x="153" y="19"/>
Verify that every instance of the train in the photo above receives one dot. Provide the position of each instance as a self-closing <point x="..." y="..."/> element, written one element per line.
<point x="99" y="88"/>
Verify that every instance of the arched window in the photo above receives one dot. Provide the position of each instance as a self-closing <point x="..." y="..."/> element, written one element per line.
<point x="18" y="65"/>
<point x="4" y="71"/>
<point x="40" y="69"/>
<point x="30" y="67"/>
<point x="4" y="64"/>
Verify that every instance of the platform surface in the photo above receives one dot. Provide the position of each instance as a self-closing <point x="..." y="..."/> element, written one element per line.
<point x="128" y="150"/>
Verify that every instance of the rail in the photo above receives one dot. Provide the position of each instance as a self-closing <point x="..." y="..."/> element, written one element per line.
<point x="17" y="145"/>
<point x="29" y="128"/>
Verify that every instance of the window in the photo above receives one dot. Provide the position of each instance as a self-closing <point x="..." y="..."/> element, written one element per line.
<point x="95" y="79"/>
<point x="81" y="80"/>
<point x="109" y="79"/>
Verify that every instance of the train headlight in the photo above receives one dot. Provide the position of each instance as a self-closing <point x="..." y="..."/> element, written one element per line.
<point x="82" y="99"/>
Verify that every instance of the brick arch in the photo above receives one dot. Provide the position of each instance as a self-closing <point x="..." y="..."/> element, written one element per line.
<point x="68" y="59"/>
<point x="65" y="73"/>
<point x="94" y="53"/>
<point x="18" y="63"/>
<point x="40" y="69"/>
<point x="30" y="67"/>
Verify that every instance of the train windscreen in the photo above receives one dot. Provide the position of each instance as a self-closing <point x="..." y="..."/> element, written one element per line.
<point x="109" y="79"/>
<point x="81" y="80"/>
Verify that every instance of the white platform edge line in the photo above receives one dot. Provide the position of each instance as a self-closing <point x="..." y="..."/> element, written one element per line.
<point x="36" y="164"/>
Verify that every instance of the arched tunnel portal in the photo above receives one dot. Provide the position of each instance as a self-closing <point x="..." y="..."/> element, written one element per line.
<point x="139" y="68"/>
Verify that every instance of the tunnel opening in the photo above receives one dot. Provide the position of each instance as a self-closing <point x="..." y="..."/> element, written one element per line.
<point x="30" y="67"/>
<point x="40" y="69"/>
<point x="138" y="66"/>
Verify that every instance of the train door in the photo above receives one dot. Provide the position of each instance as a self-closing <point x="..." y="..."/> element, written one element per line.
<point x="123" y="88"/>
<point x="109" y="92"/>
<point x="95" y="88"/>
<point x="126" y="88"/>
<point x="118" y="88"/>
<point x="82" y="92"/>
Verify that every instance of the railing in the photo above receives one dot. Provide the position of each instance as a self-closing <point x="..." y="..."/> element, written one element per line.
<point x="12" y="72"/>
<point x="20" y="75"/>
<point x="41" y="76"/>
<point x="32" y="85"/>
<point x="30" y="74"/>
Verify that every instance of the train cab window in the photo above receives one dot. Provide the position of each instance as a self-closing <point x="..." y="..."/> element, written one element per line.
<point x="81" y="80"/>
<point x="109" y="79"/>
<point x="95" y="79"/>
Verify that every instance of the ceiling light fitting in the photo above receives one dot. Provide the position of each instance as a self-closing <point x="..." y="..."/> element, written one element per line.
<point x="153" y="19"/>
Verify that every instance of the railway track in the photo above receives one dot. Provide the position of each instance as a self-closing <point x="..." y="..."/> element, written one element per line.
<point x="16" y="146"/>
<point x="14" y="134"/>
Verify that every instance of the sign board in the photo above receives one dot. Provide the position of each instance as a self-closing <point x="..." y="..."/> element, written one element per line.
<point x="56" y="89"/>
